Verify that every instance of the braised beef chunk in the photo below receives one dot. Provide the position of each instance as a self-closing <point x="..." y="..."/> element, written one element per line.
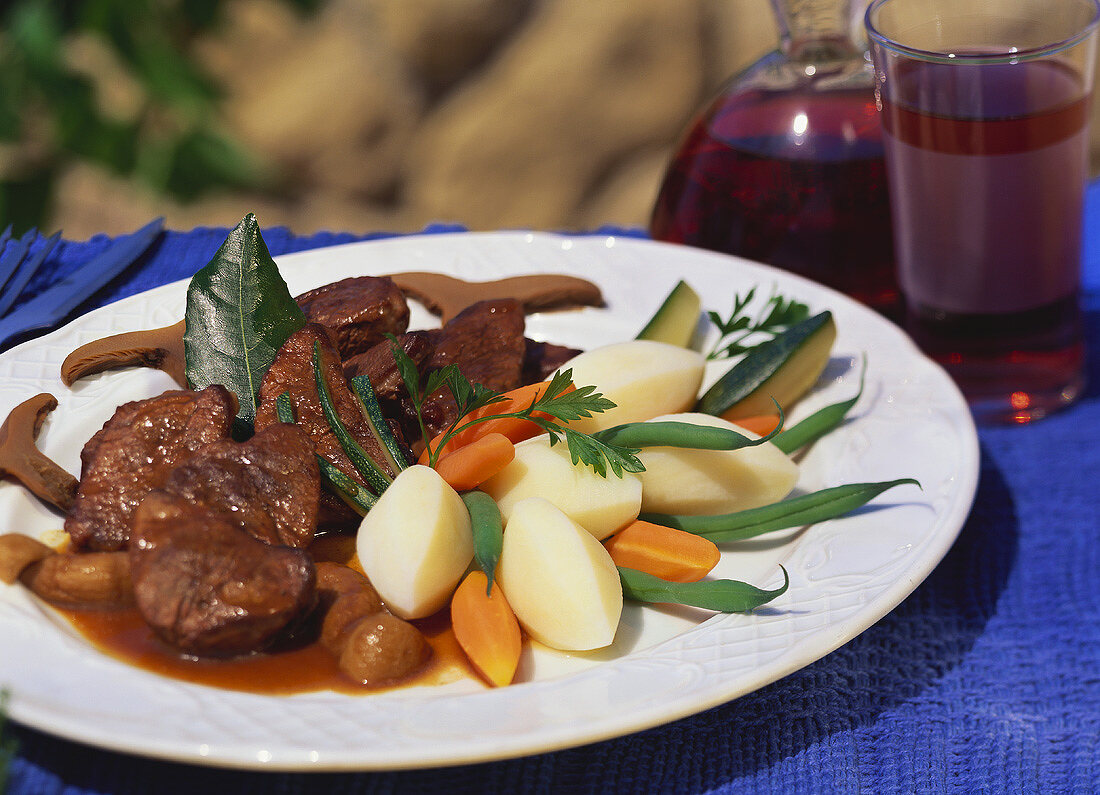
<point x="486" y="341"/>
<point x="360" y="310"/>
<point x="268" y="486"/>
<point x="379" y="365"/>
<point x="542" y="359"/>
<point x="134" y="453"/>
<point x="292" y="372"/>
<point x="209" y="589"/>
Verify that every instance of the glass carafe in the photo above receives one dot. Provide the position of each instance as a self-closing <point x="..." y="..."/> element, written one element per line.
<point x="785" y="165"/>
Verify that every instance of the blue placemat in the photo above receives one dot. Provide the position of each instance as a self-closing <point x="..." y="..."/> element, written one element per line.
<point x="986" y="679"/>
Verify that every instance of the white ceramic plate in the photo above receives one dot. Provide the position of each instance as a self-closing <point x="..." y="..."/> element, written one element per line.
<point x="845" y="574"/>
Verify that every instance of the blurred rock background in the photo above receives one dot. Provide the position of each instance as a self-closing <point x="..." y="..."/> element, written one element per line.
<point x="361" y="115"/>
<point x="354" y="115"/>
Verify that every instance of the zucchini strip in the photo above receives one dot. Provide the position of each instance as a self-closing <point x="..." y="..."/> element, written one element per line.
<point x="345" y="487"/>
<point x="374" y="476"/>
<point x="284" y="409"/>
<point x="363" y="390"/>
<point x="337" y="482"/>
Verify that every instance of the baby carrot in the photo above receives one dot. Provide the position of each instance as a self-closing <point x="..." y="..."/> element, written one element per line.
<point x="664" y="552"/>
<point x="761" y="424"/>
<point x="486" y="629"/>
<point x="514" y="428"/>
<point x="471" y="465"/>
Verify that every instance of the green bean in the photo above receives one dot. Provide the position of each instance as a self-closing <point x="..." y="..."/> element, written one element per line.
<point x="725" y="596"/>
<point x="363" y="390"/>
<point x="807" y="509"/>
<point x="374" y="476"/>
<point x="488" y="532"/>
<point x="670" y="433"/>
<point x="820" y="422"/>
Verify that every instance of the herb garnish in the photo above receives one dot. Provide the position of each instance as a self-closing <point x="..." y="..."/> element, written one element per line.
<point x="239" y="313"/>
<point x="778" y="313"/>
<point x="550" y="411"/>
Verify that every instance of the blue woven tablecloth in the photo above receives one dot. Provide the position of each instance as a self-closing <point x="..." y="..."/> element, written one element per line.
<point x="986" y="679"/>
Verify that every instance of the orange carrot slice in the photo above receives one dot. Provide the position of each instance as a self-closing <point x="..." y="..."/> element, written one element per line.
<point x="486" y="629"/>
<point x="514" y="428"/>
<point x="664" y="552"/>
<point x="471" y="465"/>
<point x="761" y="424"/>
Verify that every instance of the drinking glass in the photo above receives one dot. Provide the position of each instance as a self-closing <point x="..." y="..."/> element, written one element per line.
<point x="984" y="107"/>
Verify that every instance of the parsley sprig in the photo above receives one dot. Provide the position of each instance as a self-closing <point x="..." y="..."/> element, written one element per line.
<point x="552" y="410"/>
<point x="745" y="329"/>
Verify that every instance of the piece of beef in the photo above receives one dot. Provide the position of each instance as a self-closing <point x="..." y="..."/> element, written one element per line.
<point x="542" y="359"/>
<point x="361" y="310"/>
<point x="292" y="372"/>
<point x="209" y="589"/>
<point x="379" y="365"/>
<point x="268" y="486"/>
<point x="486" y="342"/>
<point x="134" y="453"/>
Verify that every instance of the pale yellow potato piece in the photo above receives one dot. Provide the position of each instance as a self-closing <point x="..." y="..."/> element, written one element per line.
<point x="642" y="377"/>
<point x="601" y="505"/>
<point x="559" y="580"/>
<point x="416" y="543"/>
<point x="684" y="481"/>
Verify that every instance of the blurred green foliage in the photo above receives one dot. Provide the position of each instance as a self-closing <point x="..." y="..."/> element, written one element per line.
<point x="50" y="114"/>
<point x="8" y="745"/>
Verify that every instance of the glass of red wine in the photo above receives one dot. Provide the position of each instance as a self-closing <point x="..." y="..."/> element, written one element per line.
<point x="984" y="107"/>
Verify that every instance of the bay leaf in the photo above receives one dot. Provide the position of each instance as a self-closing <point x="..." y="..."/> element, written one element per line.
<point x="239" y="313"/>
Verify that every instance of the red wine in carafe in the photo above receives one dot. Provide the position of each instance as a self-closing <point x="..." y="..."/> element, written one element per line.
<point x="795" y="179"/>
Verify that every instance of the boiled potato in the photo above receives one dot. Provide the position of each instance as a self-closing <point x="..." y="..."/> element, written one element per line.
<point x="642" y="377"/>
<point x="601" y="505"/>
<point x="416" y="543"/>
<point x="559" y="580"/>
<point x="684" y="481"/>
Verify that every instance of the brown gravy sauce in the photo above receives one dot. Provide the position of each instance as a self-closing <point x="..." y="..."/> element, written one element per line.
<point x="309" y="667"/>
<point x="446" y="296"/>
